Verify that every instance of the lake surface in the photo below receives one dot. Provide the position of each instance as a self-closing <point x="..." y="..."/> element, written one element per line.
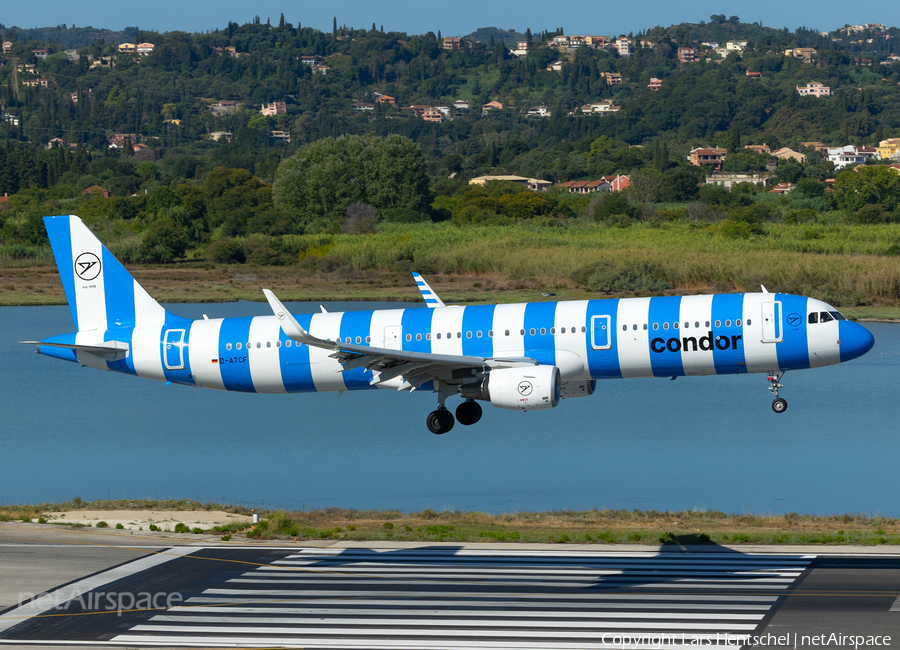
<point x="699" y="442"/>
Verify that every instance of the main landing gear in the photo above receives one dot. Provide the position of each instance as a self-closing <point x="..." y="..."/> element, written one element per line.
<point x="440" y="420"/>
<point x="779" y="404"/>
<point x="469" y="412"/>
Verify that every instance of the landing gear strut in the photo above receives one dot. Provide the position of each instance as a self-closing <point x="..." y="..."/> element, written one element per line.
<point x="779" y="404"/>
<point x="469" y="412"/>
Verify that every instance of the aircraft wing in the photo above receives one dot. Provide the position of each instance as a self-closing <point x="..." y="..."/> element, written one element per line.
<point x="431" y="298"/>
<point x="414" y="368"/>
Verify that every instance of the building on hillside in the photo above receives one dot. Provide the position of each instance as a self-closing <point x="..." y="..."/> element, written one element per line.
<point x="704" y="156"/>
<point x="539" y="111"/>
<point x="624" y="46"/>
<point x="362" y="106"/>
<point x="556" y="66"/>
<point x="37" y="82"/>
<point x="655" y="84"/>
<point x="533" y="184"/>
<point x="789" y="154"/>
<point x="522" y="48"/>
<point x="736" y="46"/>
<point x="611" y="78"/>
<point x="782" y="188"/>
<point x="730" y="179"/>
<point x="127" y="48"/>
<point x="274" y="108"/>
<point x="102" y="62"/>
<point x="41" y="53"/>
<point x="384" y="99"/>
<point x="219" y="136"/>
<point x="309" y="60"/>
<point x="89" y="95"/>
<point x="59" y="142"/>
<point x="753" y="75"/>
<point x="281" y="136"/>
<point x="805" y="54"/>
<point x="7" y="47"/>
<point x="814" y="89"/>
<point x="461" y="105"/>
<point x="819" y="147"/>
<point x="144" y="49"/>
<point x="433" y="114"/>
<point x="451" y="42"/>
<point x="851" y="155"/>
<point x="604" y="106"/>
<point x="96" y="190"/>
<point x="491" y="106"/>
<point x="586" y="187"/>
<point x="759" y="148"/>
<point x="321" y="69"/>
<point x="687" y="54"/>
<point x="618" y="182"/>
<point x="889" y="149"/>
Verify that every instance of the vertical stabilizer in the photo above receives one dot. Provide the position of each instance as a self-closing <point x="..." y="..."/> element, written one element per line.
<point x="102" y="295"/>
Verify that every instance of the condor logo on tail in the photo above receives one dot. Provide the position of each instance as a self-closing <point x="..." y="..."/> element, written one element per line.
<point x="692" y="344"/>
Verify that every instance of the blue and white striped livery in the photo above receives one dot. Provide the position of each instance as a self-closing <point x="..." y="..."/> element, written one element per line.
<point x="518" y="356"/>
<point x="431" y="298"/>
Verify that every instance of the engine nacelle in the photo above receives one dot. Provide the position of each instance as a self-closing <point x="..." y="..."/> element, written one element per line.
<point x="570" y="389"/>
<point x="523" y="389"/>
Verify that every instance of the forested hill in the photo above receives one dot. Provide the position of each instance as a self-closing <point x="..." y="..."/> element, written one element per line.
<point x="67" y="36"/>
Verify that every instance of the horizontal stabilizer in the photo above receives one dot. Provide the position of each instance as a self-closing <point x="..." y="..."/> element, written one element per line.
<point x="107" y="350"/>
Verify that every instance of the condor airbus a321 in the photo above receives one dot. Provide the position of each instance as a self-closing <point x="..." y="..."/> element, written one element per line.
<point x="521" y="356"/>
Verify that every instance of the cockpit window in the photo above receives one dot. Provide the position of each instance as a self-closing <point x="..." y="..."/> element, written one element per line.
<point x="813" y="318"/>
<point x="837" y="315"/>
<point x="825" y="316"/>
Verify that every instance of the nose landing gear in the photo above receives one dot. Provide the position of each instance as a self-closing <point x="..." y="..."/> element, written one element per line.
<point x="779" y="404"/>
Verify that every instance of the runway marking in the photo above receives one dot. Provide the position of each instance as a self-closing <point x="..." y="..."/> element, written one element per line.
<point x="399" y="599"/>
<point x="60" y="596"/>
<point x="896" y="606"/>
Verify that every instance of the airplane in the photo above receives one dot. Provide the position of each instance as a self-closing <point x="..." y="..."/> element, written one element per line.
<point x="526" y="356"/>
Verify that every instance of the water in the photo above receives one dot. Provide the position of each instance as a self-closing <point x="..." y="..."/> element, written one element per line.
<point x="702" y="442"/>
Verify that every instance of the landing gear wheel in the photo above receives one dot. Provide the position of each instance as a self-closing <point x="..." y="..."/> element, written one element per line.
<point x="439" y="421"/>
<point x="779" y="405"/>
<point x="469" y="412"/>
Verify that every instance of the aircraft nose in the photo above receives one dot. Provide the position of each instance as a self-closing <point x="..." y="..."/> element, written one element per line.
<point x="856" y="340"/>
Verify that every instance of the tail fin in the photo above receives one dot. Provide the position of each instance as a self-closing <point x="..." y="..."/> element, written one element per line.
<point x="102" y="295"/>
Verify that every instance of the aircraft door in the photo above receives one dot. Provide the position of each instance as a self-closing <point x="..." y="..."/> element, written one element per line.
<point x="771" y="322"/>
<point x="173" y="349"/>
<point x="393" y="337"/>
<point x="600" y="333"/>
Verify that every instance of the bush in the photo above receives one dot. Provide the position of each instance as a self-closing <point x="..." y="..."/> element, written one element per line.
<point x="735" y="229"/>
<point x="226" y="251"/>
<point x="226" y="537"/>
<point x="154" y="527"/>
<point x="403" y="215"/>
<point x="872" y="214"/>
<point x="164" y="241"/>
<point x="613" y="204"/>
<point x="101" y="524"/>
<point x="637" y="276"/>
<point x="120" y="527"/>
<point x="197" y="531"/>
<point x="387" y="525"/>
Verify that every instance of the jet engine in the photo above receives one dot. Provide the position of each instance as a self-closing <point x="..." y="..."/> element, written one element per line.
<point x="524" y="389"/>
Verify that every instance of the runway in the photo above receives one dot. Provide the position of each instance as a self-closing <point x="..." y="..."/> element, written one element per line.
<point x="444" y="597"/>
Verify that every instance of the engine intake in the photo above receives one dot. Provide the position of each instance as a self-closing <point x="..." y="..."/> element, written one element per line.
<point x="522" y="389"/>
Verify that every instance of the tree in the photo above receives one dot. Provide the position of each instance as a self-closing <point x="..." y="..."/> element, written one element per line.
<point x="164" y="241"/>
<point x="320" y="181"/>
<point x="871" y="185"/>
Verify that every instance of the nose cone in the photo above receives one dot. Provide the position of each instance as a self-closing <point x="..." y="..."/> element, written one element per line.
<point x="856" y="340"/>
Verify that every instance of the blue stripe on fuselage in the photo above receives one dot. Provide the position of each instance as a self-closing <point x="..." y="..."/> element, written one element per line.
<point x="416" y="323"/>
<point x="665" y="311"/>
<point x="728" y="307"/>
<point x="479" y="319"/>
<point x="235" y="364"/>
<point x="182" y="376"/>
<point x="793" y="349"/>
<point x="540" y="347"/>
<point x="356" y="324"/>
<point x="603" y="364"/>
<point x="296" y="372"/>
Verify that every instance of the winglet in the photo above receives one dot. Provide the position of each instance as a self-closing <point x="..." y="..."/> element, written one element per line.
<point x="292" y="329"/>
<point x="763" y="287"/>
<point x="431" y="298"/>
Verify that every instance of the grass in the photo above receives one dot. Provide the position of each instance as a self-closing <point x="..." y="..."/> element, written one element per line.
<point x="848" y="266"/>
<point x="560" y="527"/>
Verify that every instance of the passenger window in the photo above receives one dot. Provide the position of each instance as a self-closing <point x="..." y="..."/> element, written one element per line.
<point x="675" y="325"/>
<point x="655" y="326"/>
<point x="707" y="324"/>
<point x="624" y="328"/>
<point x="258" y="344"/>
<point x="277" y="344"/>
<point x="687" y="325"/>
<point x="409" y="337"/>
<point x="532" y="331"/>
<point x="665" y="326"/>
<point x="368" y="339"/>
<point x="268" y="344"/>
<point x="468" y="335"/>
<point x="825" y="317"/>
<point x="439" y="335"/>
<point x="288" y="343"/>
<point x="737" y="322"/>
<point x="728" y="323"/>
<point x="553" y="330"/>
<point x="718" y="323"/>
<point x="645" y="327"/>
<point x="358" y="340"/>
<point x="228" y="346"/>
<point x="478" y="334"/>
<point x="522" y="332"/>
<point x="634" y="327"/>
<point x="449" y="335"/>
<point x="748" y="322"/>
<point x="507" y="332"/>
<point x="428" y="336"/>
<point x="543" y="331"/>
<point x="459" y="335"/>
<point x="418" y="337"/>
<point x="697" y="324"/>
<point x="583" y="329"/>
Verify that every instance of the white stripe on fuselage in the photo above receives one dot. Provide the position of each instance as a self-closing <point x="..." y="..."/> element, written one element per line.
<point x="204" y="353"/>
<point x="632" y="339"/>
<point x="695" y="316"/>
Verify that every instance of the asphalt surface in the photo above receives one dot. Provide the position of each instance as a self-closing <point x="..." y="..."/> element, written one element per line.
<point x="117" y="590"/>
